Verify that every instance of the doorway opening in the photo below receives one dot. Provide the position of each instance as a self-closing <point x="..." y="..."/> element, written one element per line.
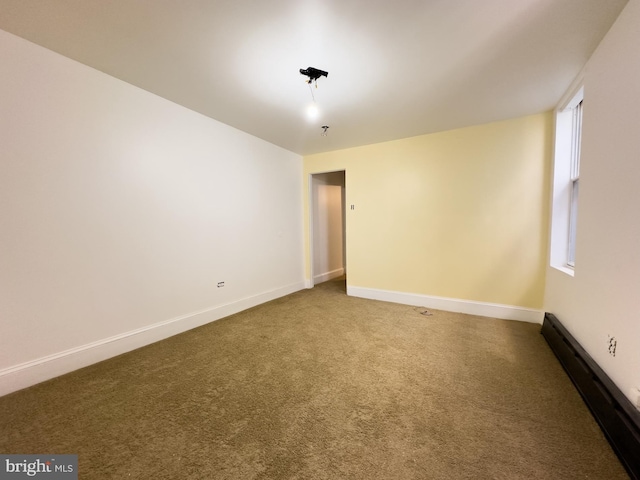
<point x="328" y="227"/>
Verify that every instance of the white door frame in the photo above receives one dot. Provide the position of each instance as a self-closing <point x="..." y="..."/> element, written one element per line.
<point x="312" y="201"/>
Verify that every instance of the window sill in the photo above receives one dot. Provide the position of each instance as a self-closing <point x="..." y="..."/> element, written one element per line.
<point x="564" y="269"/>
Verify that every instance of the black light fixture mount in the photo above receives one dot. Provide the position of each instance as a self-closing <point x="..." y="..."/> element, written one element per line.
<point x="313" y="73"/>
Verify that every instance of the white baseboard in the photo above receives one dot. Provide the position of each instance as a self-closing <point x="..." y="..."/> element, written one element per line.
<point x="30" y="373"/>
<point x="324" y="277"/>
<point x="493" y="310"/>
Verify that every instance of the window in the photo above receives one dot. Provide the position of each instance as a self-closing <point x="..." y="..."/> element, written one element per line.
<point x="576" y="137"/>
<point x="566" y="183"/>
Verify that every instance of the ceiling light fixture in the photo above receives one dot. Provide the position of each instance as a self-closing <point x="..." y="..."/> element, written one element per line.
<point x="314" y="74"/>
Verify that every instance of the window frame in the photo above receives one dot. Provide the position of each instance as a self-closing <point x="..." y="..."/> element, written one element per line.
<point x="566" y="180"/>
<point x="576" y="143"/>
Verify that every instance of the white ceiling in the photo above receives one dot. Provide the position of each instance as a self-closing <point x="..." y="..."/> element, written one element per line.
<point x="396" y="68"/>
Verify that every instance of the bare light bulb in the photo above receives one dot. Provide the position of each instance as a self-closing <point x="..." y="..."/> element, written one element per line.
<point x="312" y="111"/>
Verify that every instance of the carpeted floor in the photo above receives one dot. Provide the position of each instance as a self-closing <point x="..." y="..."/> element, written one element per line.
<point x="318" y="385"/>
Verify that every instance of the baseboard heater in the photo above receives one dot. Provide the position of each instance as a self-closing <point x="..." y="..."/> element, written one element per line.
<point x="618" y="418"/>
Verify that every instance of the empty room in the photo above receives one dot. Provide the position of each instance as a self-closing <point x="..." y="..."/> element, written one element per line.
<point x="320" y="239"/>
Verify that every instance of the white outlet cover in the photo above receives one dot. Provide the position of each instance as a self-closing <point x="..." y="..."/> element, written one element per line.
<point x="635" y="397"/>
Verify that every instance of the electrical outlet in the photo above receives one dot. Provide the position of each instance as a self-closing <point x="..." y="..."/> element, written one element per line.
<point x="220" y="284"/>
<point x="635" y="397"/>
<point x="613" y="343"/>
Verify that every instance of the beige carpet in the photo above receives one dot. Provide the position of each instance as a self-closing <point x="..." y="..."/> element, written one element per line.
<point x="318" y="385"/>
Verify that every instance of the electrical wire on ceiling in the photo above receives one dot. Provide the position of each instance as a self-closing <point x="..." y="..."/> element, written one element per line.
<point x="314" y="74"/>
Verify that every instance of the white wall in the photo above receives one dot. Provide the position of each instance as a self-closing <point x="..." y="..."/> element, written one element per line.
<point x="603" y="298"/>
<point x="328" y="226"/>
<point x="119" y="213"/>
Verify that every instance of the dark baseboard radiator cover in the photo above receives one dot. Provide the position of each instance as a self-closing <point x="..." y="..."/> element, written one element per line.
<point x="618" y="418"/>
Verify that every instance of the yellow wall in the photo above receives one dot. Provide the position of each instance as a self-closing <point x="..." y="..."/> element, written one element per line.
<point x="461" y="214"/>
